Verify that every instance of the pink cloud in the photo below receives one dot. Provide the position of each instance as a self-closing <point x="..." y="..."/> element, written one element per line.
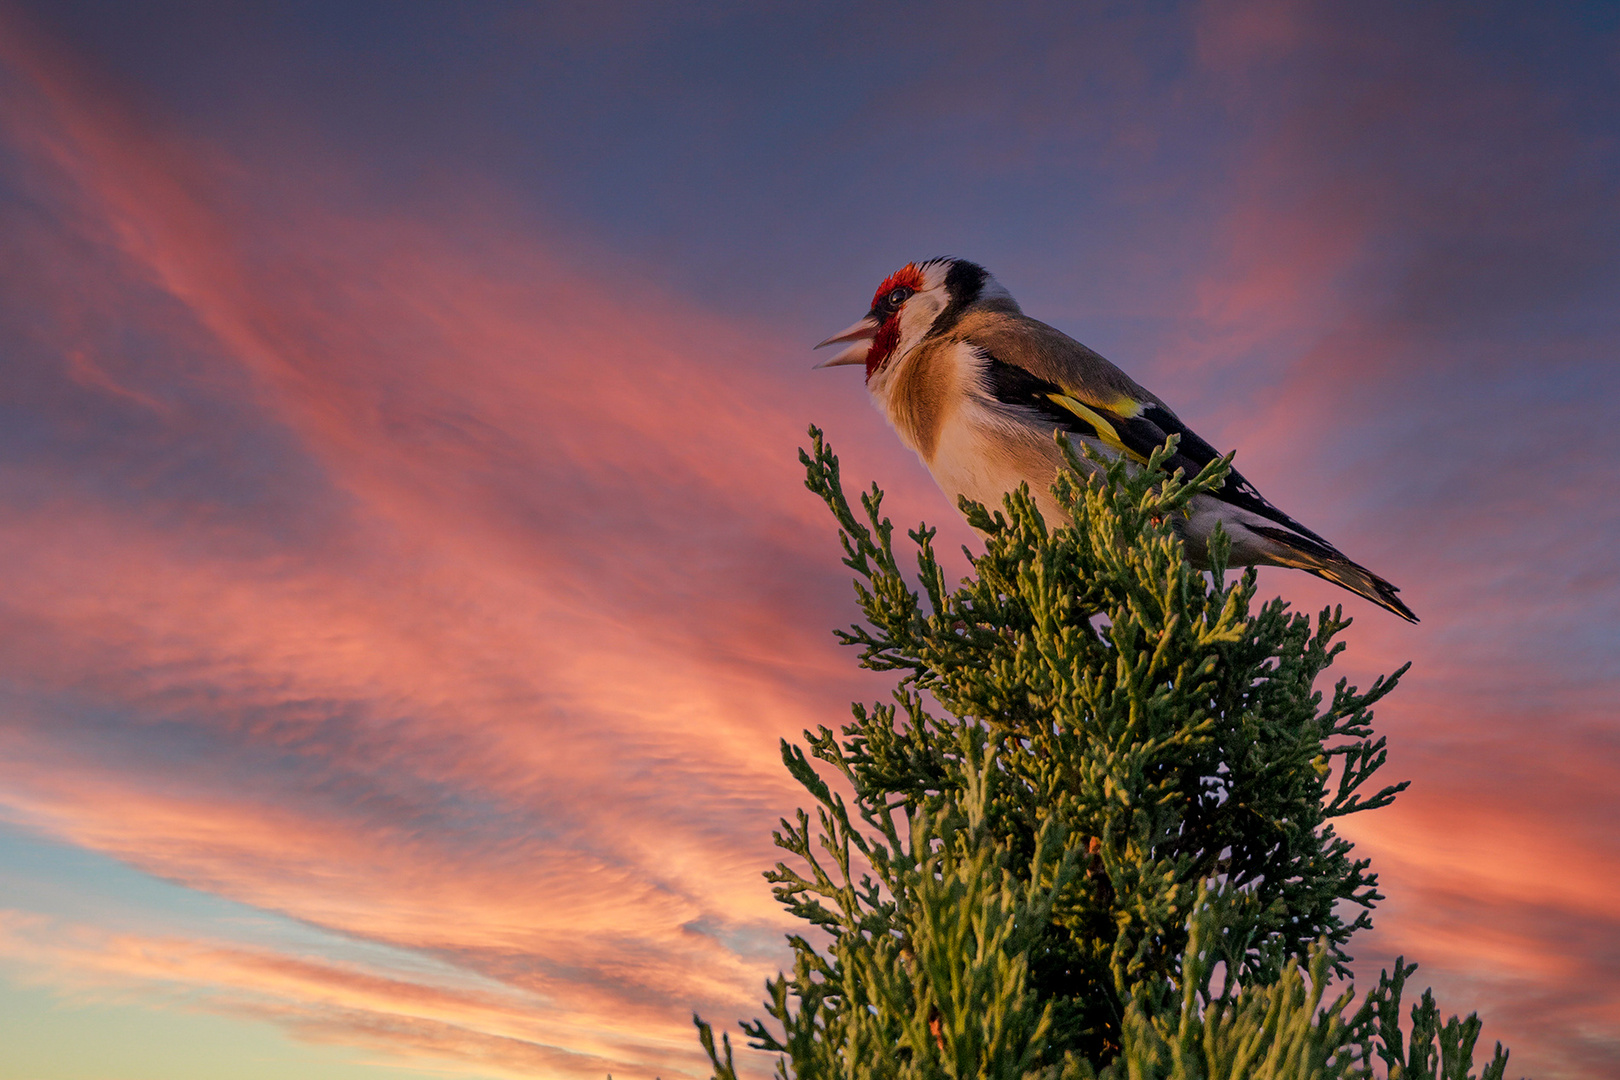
<point x="505" y="1030"/>
<point x="510" y="614"/>
<point x="1396" y="208"/>
<point x="511" y="700"/>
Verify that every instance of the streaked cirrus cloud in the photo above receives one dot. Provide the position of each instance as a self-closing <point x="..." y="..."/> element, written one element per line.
<point x="415" y="553"/>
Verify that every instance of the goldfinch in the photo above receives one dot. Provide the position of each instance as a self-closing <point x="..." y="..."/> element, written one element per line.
<point x="977" y="388"/>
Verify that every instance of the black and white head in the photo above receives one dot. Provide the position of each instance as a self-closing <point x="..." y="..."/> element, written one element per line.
<point x="915" y="303"/>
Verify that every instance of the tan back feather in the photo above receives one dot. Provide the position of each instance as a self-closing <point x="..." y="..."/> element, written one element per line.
<point x="1049" y="354"/>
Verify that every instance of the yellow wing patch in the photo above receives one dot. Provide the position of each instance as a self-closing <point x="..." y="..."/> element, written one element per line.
<point x="1129" y="408"/>
<point x="1104" y="428"/>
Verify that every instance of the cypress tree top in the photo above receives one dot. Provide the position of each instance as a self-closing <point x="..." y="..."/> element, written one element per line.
<point x="1096" y="816"/>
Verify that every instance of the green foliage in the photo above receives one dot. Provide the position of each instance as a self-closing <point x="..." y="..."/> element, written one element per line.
<point x="1434" y="1051"/>
<point x="1108" y="851"/>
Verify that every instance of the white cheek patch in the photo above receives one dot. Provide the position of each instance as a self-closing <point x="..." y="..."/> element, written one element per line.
<point x="919" y="314"/>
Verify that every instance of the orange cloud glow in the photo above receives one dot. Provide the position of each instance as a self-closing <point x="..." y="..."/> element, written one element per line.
<point x="389" y="570"/>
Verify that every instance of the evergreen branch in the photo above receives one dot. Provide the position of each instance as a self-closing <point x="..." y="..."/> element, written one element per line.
<point x="1092" y="835"/>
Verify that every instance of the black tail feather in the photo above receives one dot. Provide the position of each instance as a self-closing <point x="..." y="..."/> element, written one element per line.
<point x="1326" y="563"/>
<point x="1363" y="582"/>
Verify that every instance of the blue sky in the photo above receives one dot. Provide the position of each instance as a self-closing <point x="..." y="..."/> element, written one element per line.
<point x="406" y="575"/>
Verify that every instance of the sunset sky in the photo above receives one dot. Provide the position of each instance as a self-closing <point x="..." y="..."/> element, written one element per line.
<point x="405" y="570"/>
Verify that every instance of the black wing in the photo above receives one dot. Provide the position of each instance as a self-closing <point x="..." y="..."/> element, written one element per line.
<point x="1138" y="435"/>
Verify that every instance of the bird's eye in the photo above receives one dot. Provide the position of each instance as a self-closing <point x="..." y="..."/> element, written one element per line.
<point x="898" y="296"/>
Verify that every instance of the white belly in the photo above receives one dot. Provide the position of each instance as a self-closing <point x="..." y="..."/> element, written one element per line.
<point x="983" y="457"/>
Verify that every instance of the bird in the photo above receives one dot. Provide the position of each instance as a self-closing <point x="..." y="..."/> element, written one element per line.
<point x="977" y="389"/>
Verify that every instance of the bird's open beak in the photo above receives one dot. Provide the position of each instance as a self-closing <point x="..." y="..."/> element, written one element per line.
<point x="861" y="335"/>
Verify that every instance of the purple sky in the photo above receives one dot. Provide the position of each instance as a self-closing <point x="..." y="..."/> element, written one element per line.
<point x="406" y="574"/>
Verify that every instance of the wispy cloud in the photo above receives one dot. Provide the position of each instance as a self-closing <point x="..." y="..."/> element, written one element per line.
<point x="505" y="695"/>
<point x="380" y="565"/>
